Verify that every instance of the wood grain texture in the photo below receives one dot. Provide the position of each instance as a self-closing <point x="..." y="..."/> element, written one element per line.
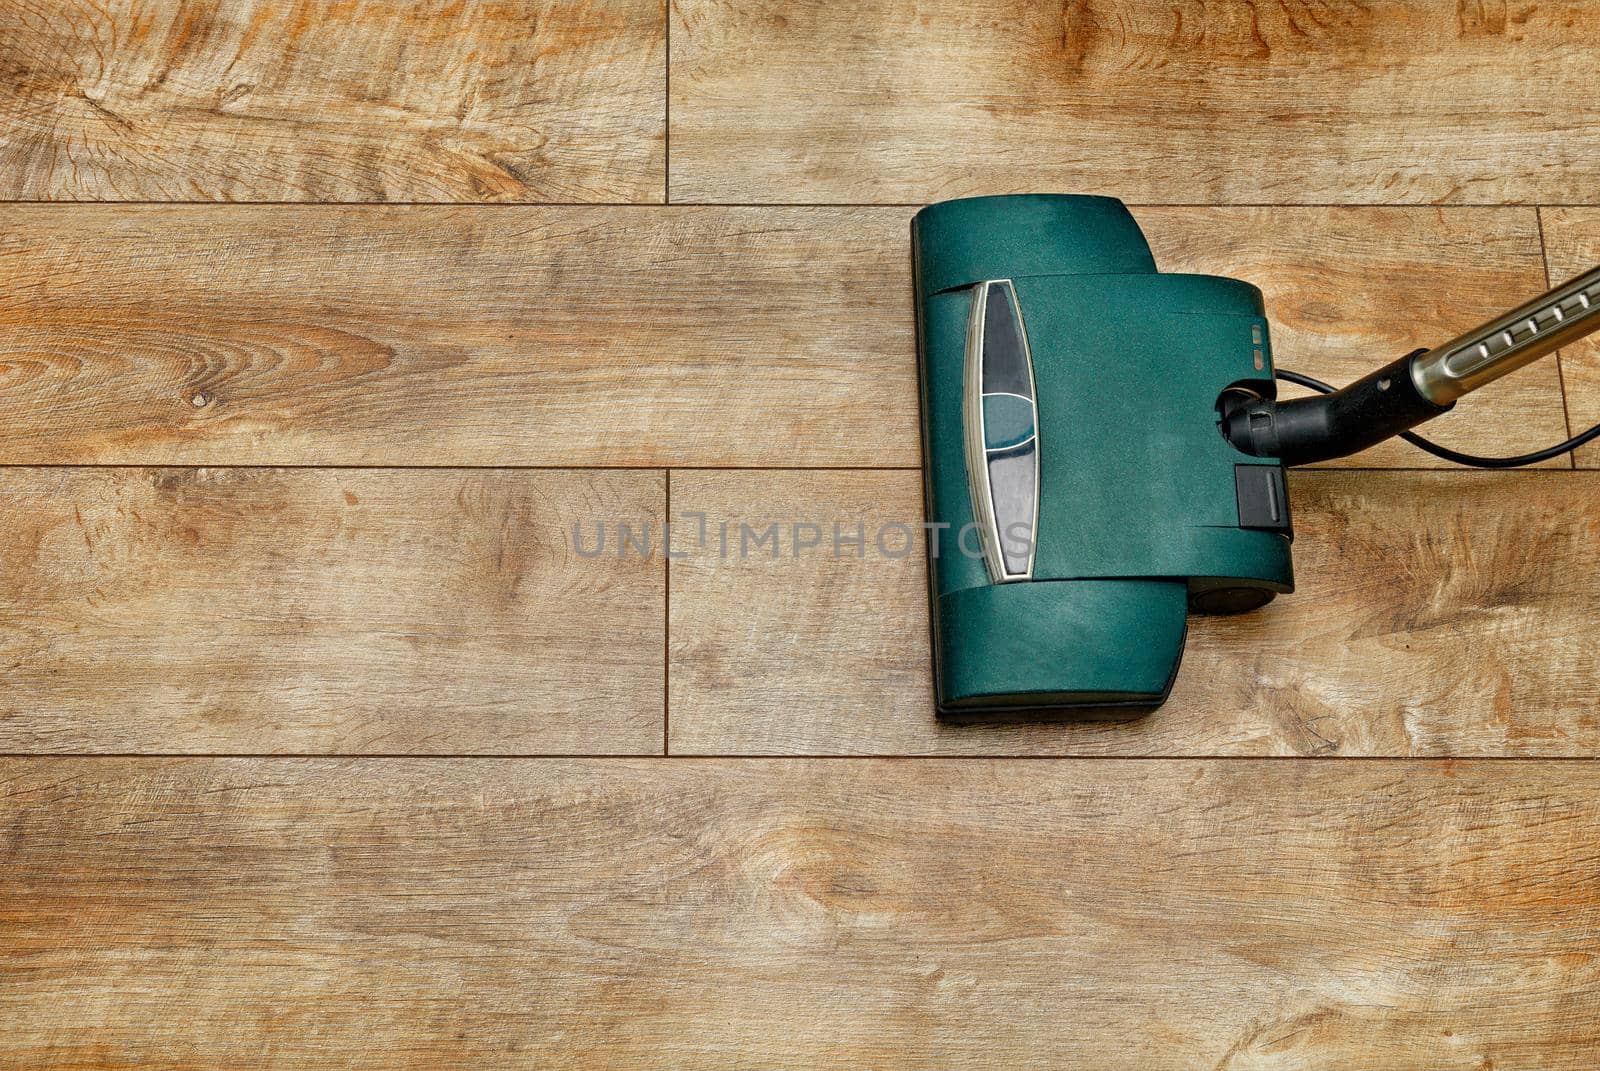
<point x="1107" y="915"/>
<point x="173" y="610"/>
<point x="1188" y="102"/>
<point x="1436" y="614"/>
<point x="474" y="336"/>
<point x="333" y="100"/>
<point x="1572" y="243"/>
<point x="619" y="336"/>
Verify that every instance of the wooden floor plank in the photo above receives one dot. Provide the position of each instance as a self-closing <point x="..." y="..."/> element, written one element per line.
<point x="255" y="100"/>
<point x="477" y="336"/>
<point x="1300" y="102"/>
<point x="1436" y="614"/>
<point x="260" y="610"/>
<point x="608" y="914"/>
<point x="1572" y="239"/>
<point x="617" y="336"/>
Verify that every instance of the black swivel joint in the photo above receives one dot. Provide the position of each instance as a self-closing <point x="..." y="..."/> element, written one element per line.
<point x="1304" y="431"/>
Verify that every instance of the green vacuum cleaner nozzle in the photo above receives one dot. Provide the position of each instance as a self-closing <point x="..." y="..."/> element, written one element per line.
<point x="1074" y="458"/>
<point x="1104" y="446"/>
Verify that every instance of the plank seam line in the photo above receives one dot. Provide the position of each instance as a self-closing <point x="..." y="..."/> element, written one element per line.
<point x="331" y="204"/>
<point x="63" y="466"/>
<point x="319" y="467"/>
<point x="666" y="622"/>
<point x="91" y="466"/>
<point x="757" y="204"/>
<point x="657" y="205"/>
<point x="346" y="756"/>
<point x="666" y="152"/>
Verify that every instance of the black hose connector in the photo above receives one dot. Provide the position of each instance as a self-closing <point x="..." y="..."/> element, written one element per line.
<point x="1303" y="431"/>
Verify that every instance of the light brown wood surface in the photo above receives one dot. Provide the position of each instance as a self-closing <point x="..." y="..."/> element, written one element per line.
<point x="196" y="914"/>
<point x="333" y="100"/>
<point x="1436" y="614"/>
<point x="1306" y="101"/>
<point x="478" y="336"/>
<point x="629" y="336"/>
<point x="295" y="482"/>
<point x="1572" y="238"/>
<point x="262" y="610"/>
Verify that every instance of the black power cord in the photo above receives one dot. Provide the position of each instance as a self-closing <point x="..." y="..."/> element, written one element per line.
<point x="1456" y="456"/>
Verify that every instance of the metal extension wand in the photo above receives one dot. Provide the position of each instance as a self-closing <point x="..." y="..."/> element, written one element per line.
<point x="1417" y="387"/>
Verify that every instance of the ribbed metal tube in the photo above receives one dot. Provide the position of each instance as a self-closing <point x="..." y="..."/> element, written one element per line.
<point x="1508" y="342"/>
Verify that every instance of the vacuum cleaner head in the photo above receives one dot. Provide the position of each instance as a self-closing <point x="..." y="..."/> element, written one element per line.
<point x="1081" y="494"/>
<point x="1104" y="446"/>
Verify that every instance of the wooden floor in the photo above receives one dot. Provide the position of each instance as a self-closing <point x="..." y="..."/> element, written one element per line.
<point x="325" y="744"/>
